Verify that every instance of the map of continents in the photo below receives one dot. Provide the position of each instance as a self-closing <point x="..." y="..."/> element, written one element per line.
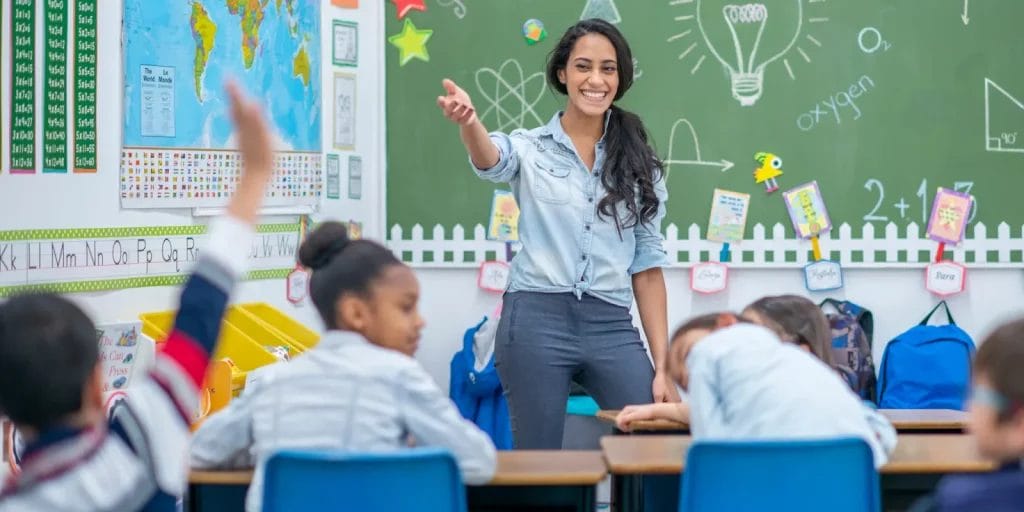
<point x="178" y="55"/>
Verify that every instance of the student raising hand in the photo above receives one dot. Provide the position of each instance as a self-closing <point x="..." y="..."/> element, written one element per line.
<point x="256" y="146"/>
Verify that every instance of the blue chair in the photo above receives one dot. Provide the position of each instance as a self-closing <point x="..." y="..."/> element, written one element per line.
<point x="837" y="475"/>
<point x="413" y="479"/>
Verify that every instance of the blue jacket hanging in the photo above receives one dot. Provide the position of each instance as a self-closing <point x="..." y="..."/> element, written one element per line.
<point x="475" y="387"/>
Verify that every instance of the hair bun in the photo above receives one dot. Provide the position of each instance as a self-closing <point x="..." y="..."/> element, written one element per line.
<point x="323" y="244"/>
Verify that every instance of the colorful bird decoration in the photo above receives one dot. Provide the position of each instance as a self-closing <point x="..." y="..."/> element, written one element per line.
<point x="770" y="168"/>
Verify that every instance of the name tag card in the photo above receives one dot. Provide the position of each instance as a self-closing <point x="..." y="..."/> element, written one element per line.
<point x="823" y="275"/>
<point x="493" y="276"/>
<point x="945" y="278"/>
<point x="708" y="278"/>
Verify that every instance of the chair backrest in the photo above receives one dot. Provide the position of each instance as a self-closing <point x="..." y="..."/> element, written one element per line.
<point x="413" y="479"/>
<point x="837" y="475"/>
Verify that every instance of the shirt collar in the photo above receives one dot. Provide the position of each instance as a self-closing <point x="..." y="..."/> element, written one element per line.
<point x="554" y="129"/>
<point x="54" y="452"/>
<point x="338" y="339"/>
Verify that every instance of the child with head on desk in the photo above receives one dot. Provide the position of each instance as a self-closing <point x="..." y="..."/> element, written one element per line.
<point x="794" y="319"/>
<point x="51" y="380"/>
<point x="996" y="419"/>
<point x="743" y="383"/>
<point x="359" y="389"/>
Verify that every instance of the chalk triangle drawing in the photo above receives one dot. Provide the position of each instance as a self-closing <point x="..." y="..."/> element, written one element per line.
<point x="1004" y="120"/>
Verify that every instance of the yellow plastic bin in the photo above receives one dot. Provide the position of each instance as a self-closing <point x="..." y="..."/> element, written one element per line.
<point x="299" y="335"/>
<point x="261" y="332"/>
<point x="234" y="344"/>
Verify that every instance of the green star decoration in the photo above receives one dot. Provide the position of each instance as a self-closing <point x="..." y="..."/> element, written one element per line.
<point x="411" y="43"/>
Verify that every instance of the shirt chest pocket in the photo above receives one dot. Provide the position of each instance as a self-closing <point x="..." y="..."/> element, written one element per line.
<point x="551" y="183"/>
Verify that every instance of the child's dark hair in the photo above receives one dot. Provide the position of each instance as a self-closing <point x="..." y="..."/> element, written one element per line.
<point x="708" y="322"/>
<point x="800" y="319"/>
<point x="48" y="352"/>
<point x="631" y="162"/>
<point x="341" y="266"/>
<point x="1000" y="359"/>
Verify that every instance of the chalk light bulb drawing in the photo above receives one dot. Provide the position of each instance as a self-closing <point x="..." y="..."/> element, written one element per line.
<point x="745" y="38"/>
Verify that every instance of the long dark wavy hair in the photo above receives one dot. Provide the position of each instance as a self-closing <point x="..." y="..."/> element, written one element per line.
<point x="632" y="167"/>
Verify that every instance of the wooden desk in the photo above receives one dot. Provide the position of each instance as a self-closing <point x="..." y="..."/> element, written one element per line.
<point x="904" y="420"/>
<point x="544" y="467"/>
<point x="926" y="420"/>
<point x="529" y="480"/>
<point x="523" y="480"/>
<point x="629" y="457"/>
<point x="236" y="477"/>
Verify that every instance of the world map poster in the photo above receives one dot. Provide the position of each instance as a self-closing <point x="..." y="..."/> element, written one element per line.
<point x="179" y="147"/>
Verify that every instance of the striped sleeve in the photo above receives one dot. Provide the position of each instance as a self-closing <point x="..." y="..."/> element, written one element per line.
<point x="181" y="365"/>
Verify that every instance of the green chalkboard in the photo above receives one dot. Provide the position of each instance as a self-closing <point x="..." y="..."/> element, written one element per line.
<point x="880" y="101"/>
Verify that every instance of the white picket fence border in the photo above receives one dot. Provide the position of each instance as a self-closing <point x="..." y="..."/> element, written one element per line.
<point x="758" y="251"/>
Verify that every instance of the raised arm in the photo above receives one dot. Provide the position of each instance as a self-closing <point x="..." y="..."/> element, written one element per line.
<point x="458" y="108"/>
<point x="205" y="295"/>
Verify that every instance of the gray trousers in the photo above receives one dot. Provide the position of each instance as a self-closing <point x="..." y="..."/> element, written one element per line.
<point x="545" y="341"/>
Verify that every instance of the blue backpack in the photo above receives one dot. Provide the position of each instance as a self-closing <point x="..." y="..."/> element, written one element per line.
<point x="926" y="367"/>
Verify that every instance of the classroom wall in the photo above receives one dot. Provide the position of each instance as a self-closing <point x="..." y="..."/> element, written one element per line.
<point x="40" y="201"/>
<point x="451" y="301"/>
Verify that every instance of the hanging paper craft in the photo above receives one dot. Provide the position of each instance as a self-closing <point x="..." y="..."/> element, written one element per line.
<point x="504" y="224"/>
<point x="810" y="219"/>
<point x="728" y="219"/>
<point x="807" y="210"/>
<point x="946" y="225"/>
<point x="948" y="220"/>
<point x="709" y="277"/>
<point x="346" y="4"/>
<point x="534" y="31"/>
<point x="411" y="43"/>
<point x="769" y="168"/>
<point x="493" y="276"/>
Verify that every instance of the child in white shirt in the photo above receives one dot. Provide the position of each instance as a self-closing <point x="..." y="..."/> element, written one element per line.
<point x="743" y="383"/>
<point x="359" y="389"/>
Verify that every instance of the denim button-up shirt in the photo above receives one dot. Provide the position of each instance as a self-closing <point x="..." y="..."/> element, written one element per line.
<point x="567" y="246"/>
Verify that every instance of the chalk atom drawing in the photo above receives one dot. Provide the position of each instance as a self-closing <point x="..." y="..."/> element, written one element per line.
<point x="1004" y="120"/>
<point x="509" y="96"/>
